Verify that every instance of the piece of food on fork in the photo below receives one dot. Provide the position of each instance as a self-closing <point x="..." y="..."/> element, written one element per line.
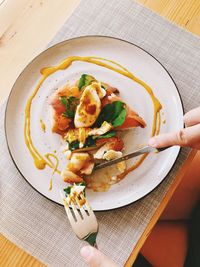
<point x="90" y="115"/>
<point x="80" y="213"/>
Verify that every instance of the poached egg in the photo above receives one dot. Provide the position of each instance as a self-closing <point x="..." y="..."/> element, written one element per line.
<point x="90" y="105"/>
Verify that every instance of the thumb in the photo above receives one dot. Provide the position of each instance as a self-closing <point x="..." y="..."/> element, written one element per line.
<point x="189" y="136"/>
<point x="94" y="258"/>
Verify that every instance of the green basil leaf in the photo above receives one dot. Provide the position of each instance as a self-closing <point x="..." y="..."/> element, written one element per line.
<point x="89" y="142"/>
<point x="70" y="105"/>
<point x="118" y="107"/>
<point x="69" y="113"/>
<point x="74" y="145"/>
<point x="67" y="190"/>
<point x="73" y="101"/>
<point x="120" y="118"/>
<point x="109" y="113"/>
<point x="64" y="101"/>
<point x="85" y="80"/>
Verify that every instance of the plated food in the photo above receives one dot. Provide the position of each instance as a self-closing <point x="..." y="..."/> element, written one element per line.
<point x="142" y="83"/>
<point x="89" y="116"/>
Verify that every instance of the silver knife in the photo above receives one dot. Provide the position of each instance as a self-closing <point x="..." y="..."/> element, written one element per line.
<point x="146" y="149"/>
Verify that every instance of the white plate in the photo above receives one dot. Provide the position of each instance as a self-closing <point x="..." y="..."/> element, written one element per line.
<point x="155" y="167"/>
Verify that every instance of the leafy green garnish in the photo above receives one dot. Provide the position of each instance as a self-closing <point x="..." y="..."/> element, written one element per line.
<point x="68" y="114"/>
<point x="89" y="142"/>
<point x="74" y="145"/>
<point x="85" y="80"/>
<point x="70" y="105"/>
<point x="64" y="101"/>
<point x="106" y="135"/>
<point x="120" y="118"/>
<point x="67" y="190"/>
<point x="114" y="113"/>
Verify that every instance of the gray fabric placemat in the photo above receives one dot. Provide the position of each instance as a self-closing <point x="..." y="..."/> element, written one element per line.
<point x="40" y="226"/>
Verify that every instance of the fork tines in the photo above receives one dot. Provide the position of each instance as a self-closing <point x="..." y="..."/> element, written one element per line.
<point x="77" y="208"/>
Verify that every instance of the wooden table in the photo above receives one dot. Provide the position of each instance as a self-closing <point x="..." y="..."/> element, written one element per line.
<point x="26" y="27"/>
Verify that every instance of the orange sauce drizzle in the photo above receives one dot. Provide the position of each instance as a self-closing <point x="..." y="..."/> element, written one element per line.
<point x="55" y="169"/>
<point x="42" y="126"/>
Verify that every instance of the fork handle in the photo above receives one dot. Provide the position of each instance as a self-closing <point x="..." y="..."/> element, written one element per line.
<point x="91" y="239"/>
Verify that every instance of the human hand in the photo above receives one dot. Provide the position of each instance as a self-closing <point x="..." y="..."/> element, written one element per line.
<point x="94" y="258"/>
<point x="190" y="136"/>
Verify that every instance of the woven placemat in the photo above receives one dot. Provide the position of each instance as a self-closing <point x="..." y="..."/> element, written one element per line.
<point x="40" y="226"/>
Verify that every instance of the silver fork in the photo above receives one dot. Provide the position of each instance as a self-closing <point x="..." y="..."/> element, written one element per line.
<point x="82" y="219"/>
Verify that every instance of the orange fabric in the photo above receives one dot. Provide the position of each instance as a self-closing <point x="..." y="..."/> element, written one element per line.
<point x="167" y="245"/>
<point x="186" y="195"/>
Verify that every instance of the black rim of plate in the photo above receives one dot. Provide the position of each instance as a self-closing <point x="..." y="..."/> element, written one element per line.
<point x="53" y="46"/>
